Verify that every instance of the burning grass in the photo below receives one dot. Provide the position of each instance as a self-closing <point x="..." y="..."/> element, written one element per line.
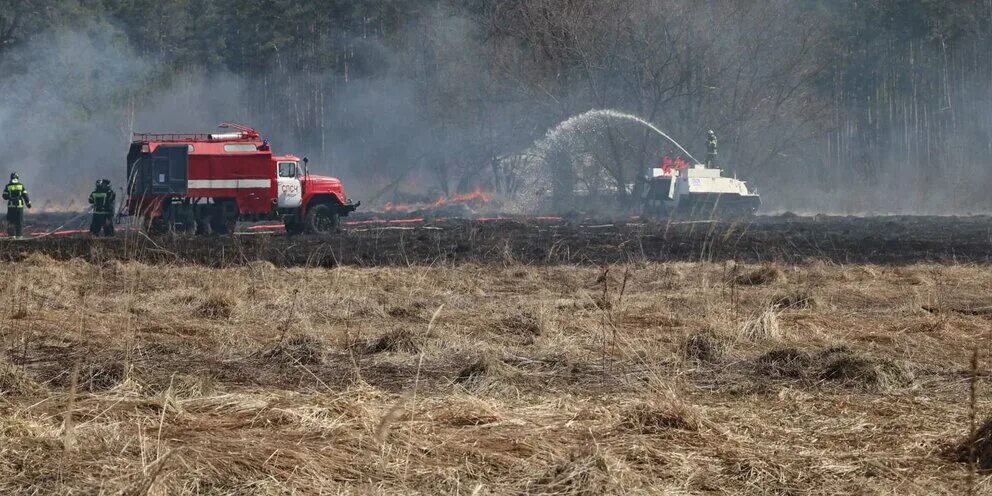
<point x="648" y="378"/>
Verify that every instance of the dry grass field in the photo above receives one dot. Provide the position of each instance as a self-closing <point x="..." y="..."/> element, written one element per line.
<point x="491" y="379"/>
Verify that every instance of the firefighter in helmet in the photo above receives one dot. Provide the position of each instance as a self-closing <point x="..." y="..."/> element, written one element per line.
<point x="102" y="199"/>
<point x="17" y="198"/>
<point x="711" y="149"/>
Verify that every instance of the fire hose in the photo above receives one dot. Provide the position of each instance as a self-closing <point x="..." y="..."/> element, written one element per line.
<point x="70" y="221"/>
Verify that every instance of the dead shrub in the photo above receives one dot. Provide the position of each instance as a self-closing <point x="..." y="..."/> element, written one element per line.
<point x="975" y="448"/>
<point x="216" y="306"/>
<point x="647" y="418"/>
<point x="15" y="382"/>
<point x="703" y="346"/>
<point x="395" y="341"/>
<point x="797" y="299"/>
<point x="766" y="274"/>
<point x="791" y="363"/>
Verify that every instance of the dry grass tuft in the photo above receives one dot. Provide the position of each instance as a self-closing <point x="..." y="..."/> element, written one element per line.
<point x="486" y="369"/>
<point x="651" y="418"/>
<point x="406" y="312"/>
<point x="470" y="413"/>
<point x="216" y="306"/>
<point x="15" y="382"/>
<point x="38" y="259"/>
<point x="703" y="346"/>
<point x="789" y="363"/>
<point x="299" y="349"/>
<point x="797" y="299"/>
<point x="766" y="274"/>
<point x="579" y="474"/>
<point x="865" y="372"/>
<point x="97" y="375"/>
<point x="762" y="325"/>
<point x="260" y="266"/>
<point x="187" y="386"/>
<point x="523" y="325"/>
<point x="395" y="341"/>
<point x="975" y="449"/>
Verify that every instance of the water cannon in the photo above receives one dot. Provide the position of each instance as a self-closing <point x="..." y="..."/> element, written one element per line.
<point x="242" y="132"/>
<point x="225" y="136"/>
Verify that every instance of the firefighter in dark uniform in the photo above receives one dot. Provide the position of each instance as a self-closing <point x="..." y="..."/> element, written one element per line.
<point x="17" y="198"/>
<point x="102" y="199"/>
<point x="711" y="149"/>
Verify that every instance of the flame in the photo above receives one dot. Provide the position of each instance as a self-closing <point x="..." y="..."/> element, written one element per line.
<point x="398" y="207"/>
<point x="475" y="196"/>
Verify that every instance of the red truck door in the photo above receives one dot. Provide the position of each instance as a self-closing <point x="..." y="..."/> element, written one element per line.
<point x="288" y="184"/>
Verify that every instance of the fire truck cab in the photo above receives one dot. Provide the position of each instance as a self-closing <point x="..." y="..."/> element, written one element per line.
<point x="203" y="183"/>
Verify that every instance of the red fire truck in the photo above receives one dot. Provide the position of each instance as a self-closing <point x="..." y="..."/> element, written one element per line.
<point x="202" y="183"/>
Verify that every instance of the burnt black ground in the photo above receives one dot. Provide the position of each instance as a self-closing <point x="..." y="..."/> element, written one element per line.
<point x="786" y="239"/>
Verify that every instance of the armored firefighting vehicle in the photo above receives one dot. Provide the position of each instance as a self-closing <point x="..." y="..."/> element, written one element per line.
<point x="203" y="183"/>
<point x="696" y="191"/>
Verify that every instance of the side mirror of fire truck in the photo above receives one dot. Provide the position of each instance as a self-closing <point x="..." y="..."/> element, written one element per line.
<point x="306" y="167"/>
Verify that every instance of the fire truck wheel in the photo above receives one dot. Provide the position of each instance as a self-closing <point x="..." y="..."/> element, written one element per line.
<point x="293" y="225"/>
<point x="322" y="219"/>
<point x="651" y="212"/>
<point x="203" y="226"/>
<point x="157" y="226"/>
<point x="221" y="225"/>
<point x="187" y="222"/>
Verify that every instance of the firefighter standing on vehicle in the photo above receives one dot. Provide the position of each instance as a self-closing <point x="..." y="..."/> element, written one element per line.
<point x="102" y="199"/>
<point x="17" y="198"/>
<point x="711" y="146"/>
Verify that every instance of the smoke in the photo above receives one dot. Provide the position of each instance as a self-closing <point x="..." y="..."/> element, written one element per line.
<point x="72" y="100"/>
<point x="446" y="103"/>
<point x="63" y="111"/>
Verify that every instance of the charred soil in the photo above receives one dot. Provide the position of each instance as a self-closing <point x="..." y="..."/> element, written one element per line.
<point x="784" y="239"/>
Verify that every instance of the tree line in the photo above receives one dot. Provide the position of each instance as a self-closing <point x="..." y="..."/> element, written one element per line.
<point x="825" y="104"/>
